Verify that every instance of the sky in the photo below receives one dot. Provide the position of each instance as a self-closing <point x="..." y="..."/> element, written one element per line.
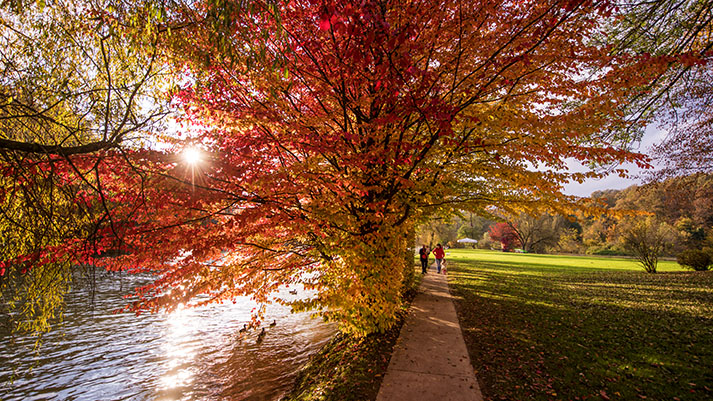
<point x="652" y="136"/>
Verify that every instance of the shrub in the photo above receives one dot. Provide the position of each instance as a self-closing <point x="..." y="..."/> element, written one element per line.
<point x="695" y="259"/>
<point x="646" y="239"/>
<point x="606" y="251"/>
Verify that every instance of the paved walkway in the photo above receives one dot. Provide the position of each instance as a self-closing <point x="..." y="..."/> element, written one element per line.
<point x="430" y="361"/>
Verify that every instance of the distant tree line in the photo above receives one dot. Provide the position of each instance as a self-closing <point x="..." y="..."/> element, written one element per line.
<point x="669" y="218"/>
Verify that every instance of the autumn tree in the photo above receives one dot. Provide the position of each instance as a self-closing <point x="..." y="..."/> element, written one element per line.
<point x="599" y="234"/>
<point x="692" y="235"/>
<point x="683" y="202"/>
<point x="78" y="80"/>
<point x="535" y="233"/>
<point x="688" y="147"/>
<point x="570" y="241"/>
<point x="680" y="31"/>
<point x="84" y="91"/>
<point x="380" y="117"/>
<point x="436" y="231"/>
<point x="474" y="226"/>
<point x="505" y="234"/>
<point x="607" y="198"/>
<point x="462" y="224"/>
<point x="330" y="130"/>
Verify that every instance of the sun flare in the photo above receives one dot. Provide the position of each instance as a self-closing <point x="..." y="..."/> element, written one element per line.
<point x="192" y="155"/>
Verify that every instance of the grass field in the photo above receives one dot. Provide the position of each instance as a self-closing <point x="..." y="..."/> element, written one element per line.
<point x="546" y="327"/>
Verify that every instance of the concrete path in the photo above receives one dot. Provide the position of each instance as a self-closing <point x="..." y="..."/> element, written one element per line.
<point x="430" y="361"/>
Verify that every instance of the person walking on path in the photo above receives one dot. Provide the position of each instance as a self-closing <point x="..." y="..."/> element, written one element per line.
<point x="423" y="252"/>
<point x="439" y="253"/>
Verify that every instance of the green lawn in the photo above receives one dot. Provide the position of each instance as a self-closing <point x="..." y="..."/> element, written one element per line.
<point x="547" y="327"/>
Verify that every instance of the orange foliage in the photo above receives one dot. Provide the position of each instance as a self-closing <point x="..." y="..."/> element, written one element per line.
<point x="355" y="123"/>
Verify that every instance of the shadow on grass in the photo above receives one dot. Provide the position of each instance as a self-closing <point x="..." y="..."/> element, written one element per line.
<point x="544" y="332"/>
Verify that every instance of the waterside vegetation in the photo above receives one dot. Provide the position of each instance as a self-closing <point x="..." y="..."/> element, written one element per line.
<point x="350" y="368"/>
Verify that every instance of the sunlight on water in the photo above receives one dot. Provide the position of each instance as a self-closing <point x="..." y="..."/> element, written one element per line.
<point x="178" y="351"/>
<point x="189" y="354"/>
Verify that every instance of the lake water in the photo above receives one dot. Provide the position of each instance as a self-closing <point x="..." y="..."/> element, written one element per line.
<point x="192" y="354"/>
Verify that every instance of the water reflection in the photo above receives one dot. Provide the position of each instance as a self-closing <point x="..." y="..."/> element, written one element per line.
<point x="179" y="351"/>
<point x="189" y="354"/>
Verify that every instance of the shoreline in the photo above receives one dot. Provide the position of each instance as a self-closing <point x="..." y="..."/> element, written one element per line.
<point x="350" y="368"/>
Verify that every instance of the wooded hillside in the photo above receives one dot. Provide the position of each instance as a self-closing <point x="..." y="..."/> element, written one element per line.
<point x="684" y="205"/>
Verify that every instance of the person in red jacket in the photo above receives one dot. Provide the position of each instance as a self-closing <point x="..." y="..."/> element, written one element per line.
<point x="439" y="253"/>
